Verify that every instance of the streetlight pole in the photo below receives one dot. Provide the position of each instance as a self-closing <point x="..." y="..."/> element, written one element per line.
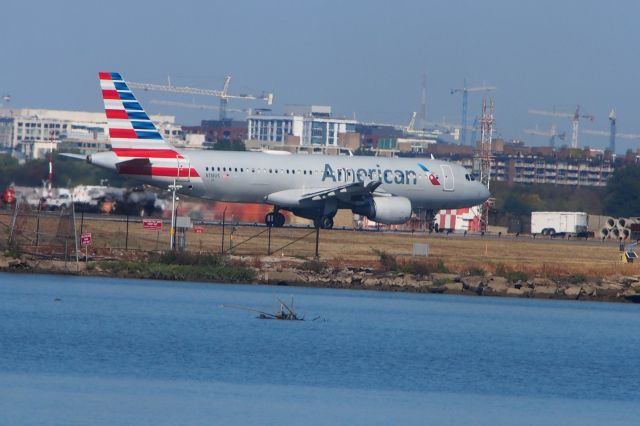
<point x="173" y="188"/>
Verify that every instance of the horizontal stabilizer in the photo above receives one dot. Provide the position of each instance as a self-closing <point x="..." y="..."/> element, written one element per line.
<point x="76" y="156"/>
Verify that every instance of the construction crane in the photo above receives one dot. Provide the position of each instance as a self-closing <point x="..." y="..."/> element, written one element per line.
<point x="412" y="123"/>
<point x="194" y="105"/>
<point x="465" y="100"/>
<point x="222" y="94"/>
<point x="574" y="117"/>
<point x="612" y="133"/>
<point x="552" y="133"/>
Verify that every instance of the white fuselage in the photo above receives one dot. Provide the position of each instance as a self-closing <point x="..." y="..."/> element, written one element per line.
<point x="249" y="177"/>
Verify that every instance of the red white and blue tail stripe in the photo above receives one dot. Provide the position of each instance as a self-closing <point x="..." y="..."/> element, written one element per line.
<point x="129" y="124"/>
<point x="134" y="137"/>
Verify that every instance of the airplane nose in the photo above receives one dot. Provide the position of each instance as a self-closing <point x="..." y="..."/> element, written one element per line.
<point x="483" y="193"/>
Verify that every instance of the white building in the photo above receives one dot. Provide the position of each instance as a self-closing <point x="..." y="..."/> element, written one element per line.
<point x="30" y="133"/>
<point x="304" y="125"/>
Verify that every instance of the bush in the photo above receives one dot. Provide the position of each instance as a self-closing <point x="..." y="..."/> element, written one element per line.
<point x="476" y="271"/>
<point x="501" y="270"/>
<point x="314" y="265"/>
<point x="577" y="278"/>
<point x="424" y="268"/>
<point x="186" y="258"/>
<point x="442" y="281"/>
<point x="388" y="262"/>
<point x="515" y="276"/>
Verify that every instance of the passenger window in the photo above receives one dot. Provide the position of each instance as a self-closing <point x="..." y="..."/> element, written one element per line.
<point x="224" y="169"/>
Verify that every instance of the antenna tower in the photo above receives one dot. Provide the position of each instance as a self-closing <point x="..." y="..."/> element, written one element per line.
<point x="423" y="103"/>
<point x="484" y="154"/>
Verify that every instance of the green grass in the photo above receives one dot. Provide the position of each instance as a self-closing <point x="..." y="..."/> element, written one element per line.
<point x="179" y="266"/>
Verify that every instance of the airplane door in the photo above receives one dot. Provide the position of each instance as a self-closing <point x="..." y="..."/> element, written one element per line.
<point x="184" y="169"/>
<point x="448" y="183"/>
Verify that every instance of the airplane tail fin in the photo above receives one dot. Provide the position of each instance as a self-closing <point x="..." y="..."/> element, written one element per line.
<point x="131" y="131"/>
<point x="136" y="142"/>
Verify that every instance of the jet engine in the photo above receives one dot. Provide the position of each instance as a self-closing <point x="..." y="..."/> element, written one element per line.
<point x="388" y="210"/>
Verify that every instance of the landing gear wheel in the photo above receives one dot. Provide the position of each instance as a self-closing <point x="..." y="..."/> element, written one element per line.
<point x="324" y="222"/>
<point x="269" y="220"/>
<point x="278" y="220"/>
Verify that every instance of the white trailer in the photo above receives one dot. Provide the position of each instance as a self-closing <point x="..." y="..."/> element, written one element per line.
<point x="559" y="223"/>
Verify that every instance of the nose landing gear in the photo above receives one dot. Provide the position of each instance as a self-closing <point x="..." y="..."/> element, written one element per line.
<point x="274" y="219"/>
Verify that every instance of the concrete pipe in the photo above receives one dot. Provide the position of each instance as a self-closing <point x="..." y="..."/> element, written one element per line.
<point x="611" y="222"/>
<point x="622" y="222"/>
<point x="615" y="232"/>
<point x="626" y="233"/>
<point x="604" y="233"/>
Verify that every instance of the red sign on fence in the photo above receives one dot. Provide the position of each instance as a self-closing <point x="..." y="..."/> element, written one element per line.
<point x="85" y="239"/>
<point x="152" y="224"/>
<point x="199" y="229"/>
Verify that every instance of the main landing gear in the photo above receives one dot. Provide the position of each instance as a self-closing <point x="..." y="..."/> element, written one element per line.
<point x="323" y="222"/>
<point x="274" y="219"/>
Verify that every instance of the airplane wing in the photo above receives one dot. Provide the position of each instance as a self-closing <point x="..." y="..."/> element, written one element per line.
<point x="353" y="192"/>
<point x="340" y="191"/>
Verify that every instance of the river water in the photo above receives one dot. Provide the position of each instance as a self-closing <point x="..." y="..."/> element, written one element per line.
<point x="100" y="351"/>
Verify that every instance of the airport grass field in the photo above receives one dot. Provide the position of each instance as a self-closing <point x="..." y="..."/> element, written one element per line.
<point x="537" y="257"/>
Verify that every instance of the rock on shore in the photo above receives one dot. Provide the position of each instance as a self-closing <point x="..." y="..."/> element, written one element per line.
<point x="618" y="288"/>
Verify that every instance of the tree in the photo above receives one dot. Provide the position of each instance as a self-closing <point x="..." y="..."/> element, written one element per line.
<point x="623" y="192"/>
<point x="67" y="172"/>
<point x="228" y="145"/>
<point x="8" y="166"/>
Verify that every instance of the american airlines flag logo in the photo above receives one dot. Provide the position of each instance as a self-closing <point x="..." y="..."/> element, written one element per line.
<point x="432" y="178"/>
<point x="134" y="136"/>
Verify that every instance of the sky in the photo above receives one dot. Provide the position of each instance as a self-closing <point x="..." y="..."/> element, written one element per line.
<point x="364" y="58"/>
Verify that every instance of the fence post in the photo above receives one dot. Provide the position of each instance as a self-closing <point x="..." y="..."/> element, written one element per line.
<point x="38" y="226"/>
<point x="223" y="218"/>
<point x="13" y="222"/>
<point x="126" y="237"/>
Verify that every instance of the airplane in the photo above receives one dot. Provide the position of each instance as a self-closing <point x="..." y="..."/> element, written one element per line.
<point x="385" y="190"/>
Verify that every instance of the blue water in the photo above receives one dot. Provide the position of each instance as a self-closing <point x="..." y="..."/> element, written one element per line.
<point x="115" y="351"/>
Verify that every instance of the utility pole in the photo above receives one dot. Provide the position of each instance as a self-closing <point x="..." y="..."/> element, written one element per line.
<point x="173" y="188"/>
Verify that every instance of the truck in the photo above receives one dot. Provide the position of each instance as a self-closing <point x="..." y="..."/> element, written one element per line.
<point x="559" y="224"/>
